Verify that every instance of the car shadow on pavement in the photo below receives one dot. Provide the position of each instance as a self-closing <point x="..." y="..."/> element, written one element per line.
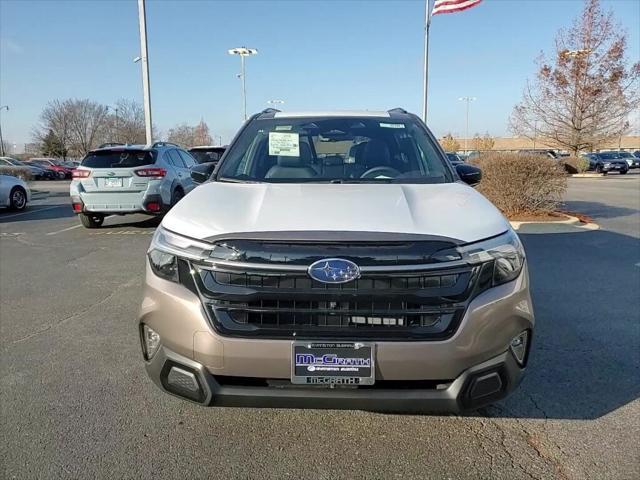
<point x="585" y="358"/>
<point x="598" y="210"/>
<point x="40" y="212"/>
<point x="148" y="222"/>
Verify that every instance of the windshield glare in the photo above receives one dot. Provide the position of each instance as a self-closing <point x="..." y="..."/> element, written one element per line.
<point x="354" y="149"/>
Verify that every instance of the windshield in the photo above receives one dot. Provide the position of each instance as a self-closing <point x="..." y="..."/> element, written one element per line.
<point x="119" y="159"/>
<point x="353" y="150"/>
<point x="205" y="156"/>
<point x="608" y="156"/>
<point x="624" y="155"/>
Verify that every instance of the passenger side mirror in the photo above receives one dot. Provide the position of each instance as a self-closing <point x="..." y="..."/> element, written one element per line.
<point x="469" y="174"/>
<point x="201" y="173"/>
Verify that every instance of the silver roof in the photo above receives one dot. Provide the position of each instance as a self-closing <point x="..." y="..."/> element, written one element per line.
<point x="334" y="113"/>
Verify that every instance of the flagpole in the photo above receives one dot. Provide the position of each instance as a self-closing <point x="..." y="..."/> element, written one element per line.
<point x="425" y="91"/>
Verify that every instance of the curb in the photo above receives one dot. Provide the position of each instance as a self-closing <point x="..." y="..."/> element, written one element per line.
<point x="588" y="175"/>
<point x="570" y="225"/>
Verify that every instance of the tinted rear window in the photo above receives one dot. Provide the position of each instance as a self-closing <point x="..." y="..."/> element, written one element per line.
<point x="119" y="159"/>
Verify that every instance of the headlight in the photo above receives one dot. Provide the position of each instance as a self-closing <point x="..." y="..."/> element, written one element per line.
<point x="164" y="265"/>
<point x="505" y="251"/>
<point x="503" y="254"/>
<point x="607" y="164"/>
<point x="167" y="247"/>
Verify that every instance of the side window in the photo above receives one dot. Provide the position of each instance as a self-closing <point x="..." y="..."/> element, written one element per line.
<point x="188" y="160"/>
<point x="175" y="159"/>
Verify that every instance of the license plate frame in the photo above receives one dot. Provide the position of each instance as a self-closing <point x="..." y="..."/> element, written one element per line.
<point x="330" y="363"/>
<point x="113" y="182"/>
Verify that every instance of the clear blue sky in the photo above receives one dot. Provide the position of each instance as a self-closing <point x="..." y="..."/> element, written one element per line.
<point x="312" y="54"/>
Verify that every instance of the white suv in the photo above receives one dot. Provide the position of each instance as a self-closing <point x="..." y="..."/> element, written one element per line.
<point x="122" y="179"/>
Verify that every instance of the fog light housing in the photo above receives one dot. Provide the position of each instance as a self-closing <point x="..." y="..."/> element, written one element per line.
<point x="150" y="341"/>
<point x="519" y="347"/>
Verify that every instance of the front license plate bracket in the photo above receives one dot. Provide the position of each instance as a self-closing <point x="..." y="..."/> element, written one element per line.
<point x="332" y="363"/>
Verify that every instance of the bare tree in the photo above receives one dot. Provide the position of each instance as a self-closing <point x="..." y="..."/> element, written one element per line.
<point x="88" y="120"/>
<point x="583" y="98"/>
<point x="201" y="134"/>
<point x="189" y="136"/>
<point x="55" y="120"/>
<point x="449" y="144"/>
<point x="126" y="123"/>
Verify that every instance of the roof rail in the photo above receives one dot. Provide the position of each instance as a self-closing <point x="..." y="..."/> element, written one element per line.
<point x="164" y="144"/>
<point x="111" y="144"/>
<point x="397" y="110"/>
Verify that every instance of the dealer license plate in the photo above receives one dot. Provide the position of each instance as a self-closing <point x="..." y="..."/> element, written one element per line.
<point x="332" y="363"/>
<point x="112" y="182"/>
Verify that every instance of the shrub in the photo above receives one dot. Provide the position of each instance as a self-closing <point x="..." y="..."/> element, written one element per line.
<point x="521" y="184"/>
<point x="575" y="165"/>
<point x="20" y="172"/>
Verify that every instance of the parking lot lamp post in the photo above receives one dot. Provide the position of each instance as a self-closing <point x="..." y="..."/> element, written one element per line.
<point x="144" y="63"/>
<point x="243" y="52"/>
<point x="467" y="100"/>
<point x="3" y="107"/>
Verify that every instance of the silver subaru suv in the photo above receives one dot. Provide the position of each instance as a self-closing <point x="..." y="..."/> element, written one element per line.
<point x="122" y="179"/>
<point x="353" y="266"/>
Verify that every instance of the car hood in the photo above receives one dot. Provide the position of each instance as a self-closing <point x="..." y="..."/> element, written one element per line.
<point x="450" y="210"/>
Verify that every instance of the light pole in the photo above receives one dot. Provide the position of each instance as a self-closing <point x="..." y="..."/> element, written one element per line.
<point x="3" y="107"/>
<point x="243" y="52"/>
<point x="144" y="59"/>
<point x="467" y="100"/>
<point x="275" y="103"/>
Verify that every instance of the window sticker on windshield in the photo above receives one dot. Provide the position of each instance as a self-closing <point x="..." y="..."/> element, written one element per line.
<point x="283" y="127"/>
<point x="392" y="125"/>
<point x="284" y="144"/>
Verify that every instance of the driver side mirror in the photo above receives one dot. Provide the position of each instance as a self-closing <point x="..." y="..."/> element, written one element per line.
<point x="200" y="173"/>
<point x="469" y="174"/>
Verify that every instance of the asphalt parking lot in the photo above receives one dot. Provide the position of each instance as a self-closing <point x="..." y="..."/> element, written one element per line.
<point x="76" y="402"/>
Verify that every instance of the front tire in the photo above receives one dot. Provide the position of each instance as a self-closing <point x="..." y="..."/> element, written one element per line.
<point x="61" y="176"/>
<point x="91" y="220"/>
<point x="623" y="172"/>
<point x="18" y="198"/>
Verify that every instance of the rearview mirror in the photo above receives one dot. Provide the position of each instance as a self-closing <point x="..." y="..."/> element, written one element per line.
<point x="469" y="174"/>
<point x="201" y="173"/>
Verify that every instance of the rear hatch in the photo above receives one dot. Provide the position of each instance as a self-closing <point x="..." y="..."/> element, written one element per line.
<point x="117" y="170"/>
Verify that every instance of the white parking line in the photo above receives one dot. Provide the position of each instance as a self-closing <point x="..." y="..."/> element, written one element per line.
<point x="30" y="211"/>
<point x="73" y="227"/>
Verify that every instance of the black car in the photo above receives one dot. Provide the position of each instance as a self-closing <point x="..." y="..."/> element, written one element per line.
<point x="630" y="158"/>
<point x="207" y="154"/>
<point x="605" y="162"/>
<point x="543" y="153"/>
<point x="454" y="158"/>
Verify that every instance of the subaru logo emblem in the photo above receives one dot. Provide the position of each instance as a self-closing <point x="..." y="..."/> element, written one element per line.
<point x="334" y="270"/>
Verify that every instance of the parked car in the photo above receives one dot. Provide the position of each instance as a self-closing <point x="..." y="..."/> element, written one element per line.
<point x="605" y="162"/>
<point x="130" y="179"/>
<point x="62" y="171"/>
<point x="544" y="153"/>
<point x="37" y="172"/>
<point x="301" y="275"/>
<point x="454" y="158"/>
<point x="206" y="154"/>
<point x="636" y="154"/>
<point x="628" y="157"/>
<point x="14" y="192"/>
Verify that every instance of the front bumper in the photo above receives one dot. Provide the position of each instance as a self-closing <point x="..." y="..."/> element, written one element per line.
<point x="480" y="345"/>
<point x="477" y="386"/>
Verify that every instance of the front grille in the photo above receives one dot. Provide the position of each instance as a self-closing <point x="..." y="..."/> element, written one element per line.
<point x="304" y="282"/>
<point x="271" y="300"/>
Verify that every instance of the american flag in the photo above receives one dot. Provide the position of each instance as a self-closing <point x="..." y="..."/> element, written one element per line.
<point x="451" y="6"/>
